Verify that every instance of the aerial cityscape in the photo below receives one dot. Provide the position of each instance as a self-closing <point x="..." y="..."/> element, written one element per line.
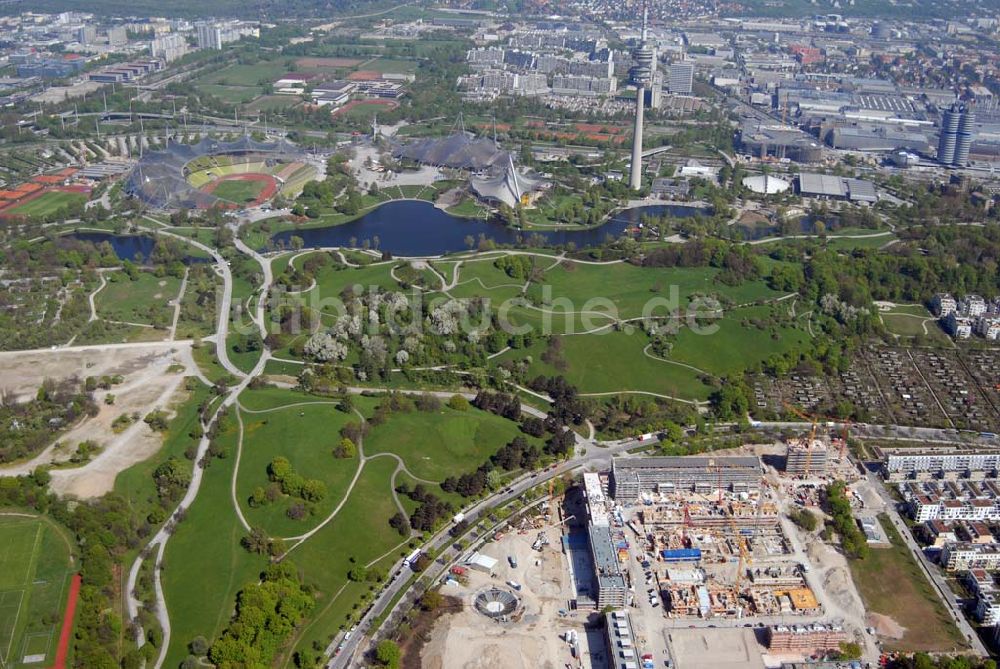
<point x="480" y="334"/>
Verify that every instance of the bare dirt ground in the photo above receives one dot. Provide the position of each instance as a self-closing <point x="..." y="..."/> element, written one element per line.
<point x="717" y="648"/>
<point x="469" y="640"/>
<point x="152" y="379"/>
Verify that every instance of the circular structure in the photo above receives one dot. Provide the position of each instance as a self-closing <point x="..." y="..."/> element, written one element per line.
<point x="766" y="185"/>
<point x="248" y="190"/>
<point x="211" y="173"/>
<point x="496" y="603"/>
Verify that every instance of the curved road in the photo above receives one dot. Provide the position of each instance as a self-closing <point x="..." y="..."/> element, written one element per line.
<point x="589" y="454"/>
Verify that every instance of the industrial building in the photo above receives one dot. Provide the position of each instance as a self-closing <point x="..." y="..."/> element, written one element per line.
<point x="878" y="138"/>
<point x="939" y="462"/>
<point x="806" y="639"/>
<point x="633" y="477"/>
<point x="779" y="141"/>
<point x="830" y="186"/>
<point x="681" y="77"/>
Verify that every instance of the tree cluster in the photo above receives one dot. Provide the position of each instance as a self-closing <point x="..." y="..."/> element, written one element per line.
<point x="266" y="614"/>
<point x="852" y="539"/>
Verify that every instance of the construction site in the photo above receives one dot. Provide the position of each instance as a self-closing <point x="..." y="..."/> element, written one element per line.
<point x="692" y="543"/>
<point x="717" y="554"/>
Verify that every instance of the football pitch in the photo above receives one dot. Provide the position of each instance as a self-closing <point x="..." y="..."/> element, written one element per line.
<point x="35" y="571"/>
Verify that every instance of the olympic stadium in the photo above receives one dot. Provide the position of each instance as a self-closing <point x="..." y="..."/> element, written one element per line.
<point x="212" y="173"/>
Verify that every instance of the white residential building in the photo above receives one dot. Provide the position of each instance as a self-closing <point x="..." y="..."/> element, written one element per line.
<point x="944" y="304"/>
<point x="169" y="47"/>
<point x="988" y="327"/>
<point x="917" y="463"/>
<point x="984" y="587"/>
<point x="972" y="306"/>
<point x="924" y="508"/>
<point x="209" y="36"/>
<point x="964" y="556"/>
<point x="960" y="327"/>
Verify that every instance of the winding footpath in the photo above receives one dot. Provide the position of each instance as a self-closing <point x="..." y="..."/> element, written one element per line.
<point x="588" y="454"/>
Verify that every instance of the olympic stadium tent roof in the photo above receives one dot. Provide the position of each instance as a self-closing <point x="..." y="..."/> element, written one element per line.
<point x="158" y="179"/>
<point x="507" y="187"/>
<point x="459" y="151"/>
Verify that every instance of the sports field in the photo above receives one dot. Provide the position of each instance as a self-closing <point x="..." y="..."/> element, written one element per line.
<point x="35" y="573"/>
<point x="239" y="191"/>
<point x="47" y="203"/>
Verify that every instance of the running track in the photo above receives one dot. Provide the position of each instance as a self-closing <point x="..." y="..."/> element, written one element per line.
<point x="67" y="626"/>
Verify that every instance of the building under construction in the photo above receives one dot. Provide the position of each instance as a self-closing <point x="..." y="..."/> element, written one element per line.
<point x="806" y="639"/>
<point x="633" y="477"/>
<point x="806" y="457"/>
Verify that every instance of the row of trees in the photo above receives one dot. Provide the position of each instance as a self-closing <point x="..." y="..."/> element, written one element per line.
<point x="852" y="539"/>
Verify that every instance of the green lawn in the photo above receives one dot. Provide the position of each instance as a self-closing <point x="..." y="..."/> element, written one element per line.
<point x="614" y="362"/>
<point x="231" y="94"/>
<point x="238" y="191"/>
<point x="204" y="356"/>
<point x="145" y="300"/>
<point x="250" y="75"/>
<point x="200" y="593"/>
<point x="732" y="348"/>
<point x="34" y="584"/>
<point x="631" y="289"/>
<point x="48" y="203"/>
<point x="306" y="435"/>
<point x="326" y="558"/>
<point x="332" y="279"/>
<point x="435" y="445"/>
<point x="391" y="65"/>
<point x="893" y="584"/>
<point x="914" y="320"/>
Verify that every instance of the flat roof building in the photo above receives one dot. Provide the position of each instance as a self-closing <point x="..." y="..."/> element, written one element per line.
<point x="904" y="463"/>
<point x="836" y="187"/>
<point x="610" y="588"/>
<point x="633" y="477"/>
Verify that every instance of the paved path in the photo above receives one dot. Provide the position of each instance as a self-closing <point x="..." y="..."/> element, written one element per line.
<point x="93" y="295"/>
<point x="177" y="304"/>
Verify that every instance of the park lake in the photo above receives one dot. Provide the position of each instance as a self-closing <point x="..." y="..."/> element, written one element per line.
<point x="417" y="228"/>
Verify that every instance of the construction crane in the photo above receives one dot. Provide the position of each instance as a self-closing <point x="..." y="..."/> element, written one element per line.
<point x="684" y="528"/>
<point x="745" y="557"/>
